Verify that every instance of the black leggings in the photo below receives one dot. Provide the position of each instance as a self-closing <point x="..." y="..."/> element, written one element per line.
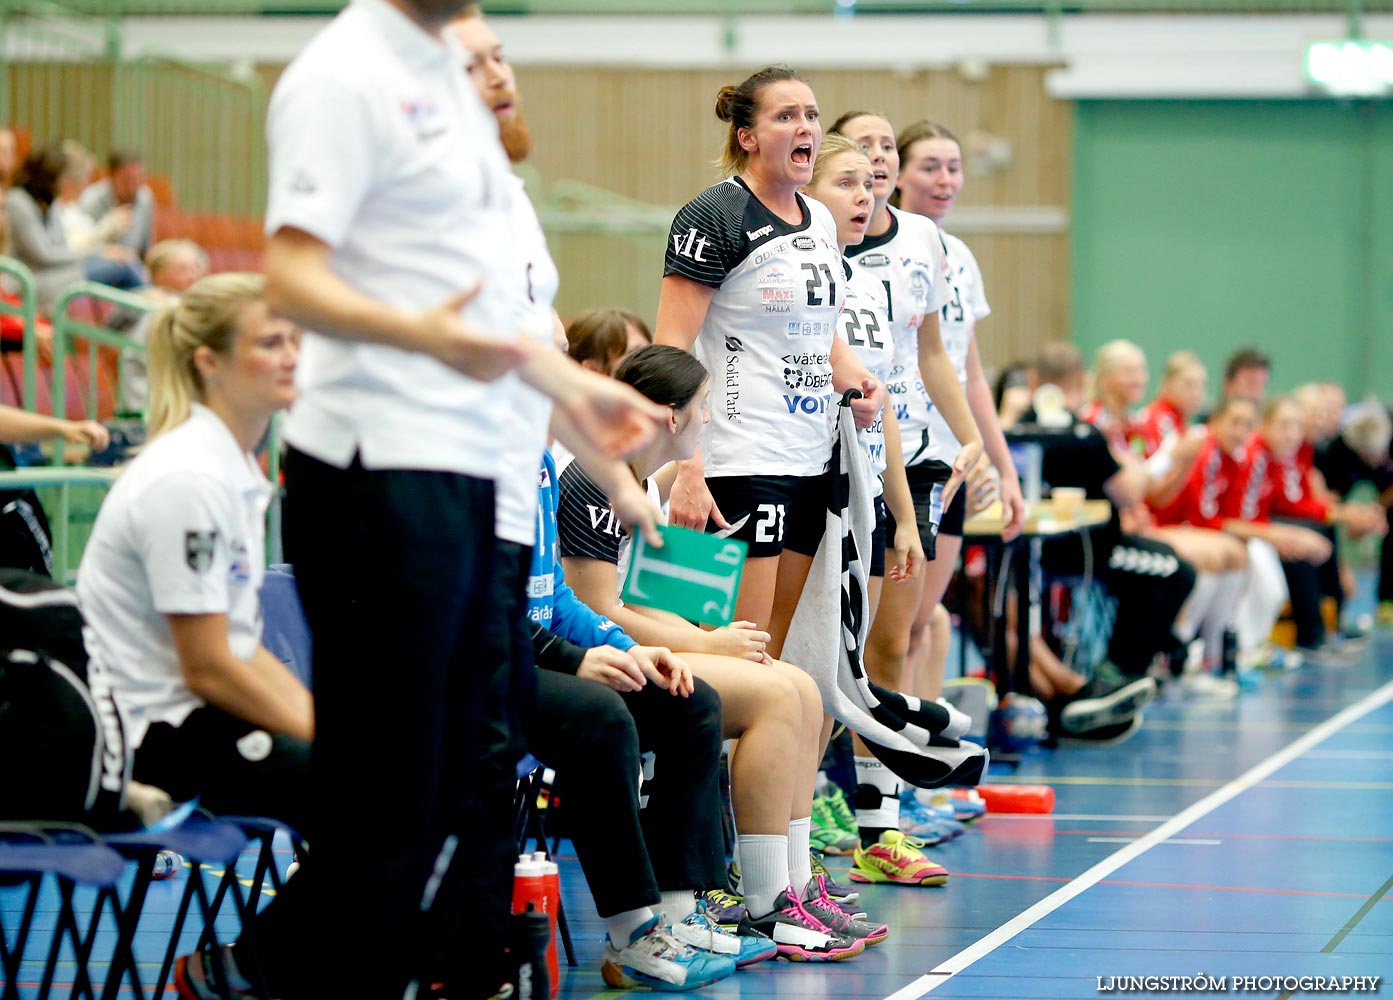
<point x="1150" y="583"/>
<point x="593" y="736"/>
<point x="237" y="770"/>
<point x="1308" y="584"/>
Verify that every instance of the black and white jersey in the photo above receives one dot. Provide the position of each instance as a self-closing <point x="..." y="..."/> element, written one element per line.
<point x="767" y="337"/>
<point x="965" y="305"/>
<point x="587" y="527"/>
<point x="865" y="326"/>
<point x="909" y="263"/>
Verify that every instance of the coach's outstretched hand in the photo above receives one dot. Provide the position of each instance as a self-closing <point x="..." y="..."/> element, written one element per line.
<point x="445" y="336"/>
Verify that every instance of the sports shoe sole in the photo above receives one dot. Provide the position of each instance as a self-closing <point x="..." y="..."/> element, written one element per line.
<point x="881" y="878"/>
<point x="616" y="978"/>
<point x="795" y="953"/>
<point x="1120" y="706"/>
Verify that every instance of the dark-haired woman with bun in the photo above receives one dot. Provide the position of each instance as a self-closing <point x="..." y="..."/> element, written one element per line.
<point x="771" y="708"/>
<point x="753" y="281"/>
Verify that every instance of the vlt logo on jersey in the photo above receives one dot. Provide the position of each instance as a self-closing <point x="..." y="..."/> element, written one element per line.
<point x="804" y="243"/>
<point x="762" y="231"/>
<point x="874" y="260"/>
<point x="690" y="246"/>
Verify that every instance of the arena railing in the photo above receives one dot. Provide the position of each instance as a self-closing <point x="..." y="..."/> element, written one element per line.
<point x="28" y="312"/>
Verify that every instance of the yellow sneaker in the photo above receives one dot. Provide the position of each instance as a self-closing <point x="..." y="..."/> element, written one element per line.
<point x="896" y="859"/>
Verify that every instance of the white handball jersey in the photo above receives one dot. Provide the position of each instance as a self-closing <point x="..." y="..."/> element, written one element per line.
<point x="181" y="532"/>
<point x="767" y="337"/>
<point x="965" y="305"/>
<point x="522" y="461"/>
<point x="865" y="325"/>
<point x="909" y="264"/>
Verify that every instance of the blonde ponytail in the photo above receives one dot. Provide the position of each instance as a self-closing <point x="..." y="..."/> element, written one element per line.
<point x="204" y="316"/>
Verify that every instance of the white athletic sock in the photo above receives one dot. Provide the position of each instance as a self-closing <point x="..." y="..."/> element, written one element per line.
<point x="621" y="926"/>
<point x="763" y="870"/>
<point x="1223" y="612"/>
<point x="677" y="906"/>
<point x="886" y="816"/>
<point x="800" y="868"/>
<point x="958" y="722"/>
<point x="1198" y="606"/>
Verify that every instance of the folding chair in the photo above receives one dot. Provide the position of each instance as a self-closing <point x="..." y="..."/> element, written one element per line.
<point x="200" y="839"/>
<point x="73" y="856"/>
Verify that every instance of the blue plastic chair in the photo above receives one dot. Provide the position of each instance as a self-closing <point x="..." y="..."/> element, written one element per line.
<point x="74" y="856"/>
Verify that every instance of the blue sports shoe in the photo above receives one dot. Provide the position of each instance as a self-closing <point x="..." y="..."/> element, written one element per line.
<point x="918" y="820"/>
<point x="741" y="942"/>
<point x="655" y="960"/>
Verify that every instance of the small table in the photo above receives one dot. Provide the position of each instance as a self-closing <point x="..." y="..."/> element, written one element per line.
<point x="1042" y="522"/>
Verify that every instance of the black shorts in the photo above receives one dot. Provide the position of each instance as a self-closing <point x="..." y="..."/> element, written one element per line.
<point x="954" y="515"/>
<point x="926" y="487"/>
<point x="772" y="513"/>
<point x="879" y="537"/>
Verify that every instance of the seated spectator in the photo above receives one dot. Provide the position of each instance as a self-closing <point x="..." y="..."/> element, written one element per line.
<point x="1013" y="391"/>
<point x="12" y="326"/>
<point x="9" y="156"/>
<point x="174" y="266"/>
<point x="600" y="338"/>
<point x="1246" y="374"/>
<point x="602" y="699"/>
<point x="36" y="229"/>
<point x="774" y="709"/>
<point x="117" y="267"/>
<point x="1179" y="400"/>
<point x="1211" y="498"/>
<point x="1146" y="577"/>
<point x="169" y="585"/>
<point x="124" y="189"/>
<point x="1361" y="454"/>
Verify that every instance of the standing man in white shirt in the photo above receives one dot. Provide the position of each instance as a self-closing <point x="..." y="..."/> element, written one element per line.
<point x="390" y="242"/>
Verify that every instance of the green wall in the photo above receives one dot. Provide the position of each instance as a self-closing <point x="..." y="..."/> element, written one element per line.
<point x="1208" y="225"/>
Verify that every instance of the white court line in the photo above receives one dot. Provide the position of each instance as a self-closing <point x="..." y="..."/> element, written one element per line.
<point x="1173" y="840"/>
<point x="1093" y="817"/>
<point x="944" y="971"/>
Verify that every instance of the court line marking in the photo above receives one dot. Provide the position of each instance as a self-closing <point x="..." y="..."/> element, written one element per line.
<point x="985" y="946"/>
<point x="1172" y="840"/>
<point x="1098" y="817"/>
<point x="1077" y="779"/>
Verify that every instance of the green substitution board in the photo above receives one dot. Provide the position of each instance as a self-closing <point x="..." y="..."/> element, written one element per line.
<point x="693" y="575"/>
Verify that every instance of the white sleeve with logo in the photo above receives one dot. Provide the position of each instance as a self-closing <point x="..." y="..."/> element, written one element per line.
<point x="966" y="304"/>
<point x="186" y="525"/>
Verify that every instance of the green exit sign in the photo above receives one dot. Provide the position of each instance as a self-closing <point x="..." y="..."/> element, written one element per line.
<point x="1351" y="68"/>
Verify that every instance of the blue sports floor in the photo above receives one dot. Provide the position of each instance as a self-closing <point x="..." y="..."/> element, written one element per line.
<point x="1251" y="837"/>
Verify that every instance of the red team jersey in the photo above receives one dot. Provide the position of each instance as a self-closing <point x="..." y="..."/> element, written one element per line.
<point x="1157" y="421"/>
<point x="1118" y="434"/>
<point x="1283" y="489"/>
<point x="1215" y="490"/>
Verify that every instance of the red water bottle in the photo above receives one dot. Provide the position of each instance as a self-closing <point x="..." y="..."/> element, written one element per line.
<point x="551" y="881"/>
<point x="1017" y="798"/>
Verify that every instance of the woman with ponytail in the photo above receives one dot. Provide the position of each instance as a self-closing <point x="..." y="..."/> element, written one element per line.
<point x="170" y="580"/>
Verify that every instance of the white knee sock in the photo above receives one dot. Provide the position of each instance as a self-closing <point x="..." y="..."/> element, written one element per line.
<point x="763" y="870"/>
<point x="800" y="871"/>
<point x="886" y="816"/>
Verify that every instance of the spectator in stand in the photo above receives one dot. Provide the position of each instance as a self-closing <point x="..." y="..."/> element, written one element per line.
<point x="124" y="187"/>
<point x="174" y="266"/>
<point x="36" y="228"/>
<point x="1246" y="374"/>
<point x="9" y="156"/>
<point x="119" y="267"/>
<point x="1361" y="454"/>
<point x="11" y="326"/>
<point x="1149" y="581"/>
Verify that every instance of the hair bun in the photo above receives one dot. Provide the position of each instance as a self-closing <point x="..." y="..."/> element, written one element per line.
<point x="725" y="103"/>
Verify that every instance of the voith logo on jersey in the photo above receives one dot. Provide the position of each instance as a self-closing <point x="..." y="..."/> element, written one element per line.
<point x="758" y="233"/>
<point x="874" y="260"/>
<point x="692" y="246"/>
